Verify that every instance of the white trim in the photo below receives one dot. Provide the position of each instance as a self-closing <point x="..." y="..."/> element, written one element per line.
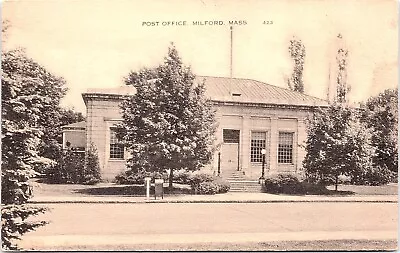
<point x="74" y="130"/>
<point x="113" y="119"/>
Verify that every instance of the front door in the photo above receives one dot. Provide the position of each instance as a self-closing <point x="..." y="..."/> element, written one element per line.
<point x="230" y="150"/>
<point x="229" y="156"/>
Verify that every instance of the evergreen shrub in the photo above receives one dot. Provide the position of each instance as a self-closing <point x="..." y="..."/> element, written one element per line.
<point x="200" y="177"/>
<point x="206" y="188"/>
<point x="203" y="183"/>
<point x="290" y="184"/>
<point x="223" y="185"/>
<point x="182" y="176"/>
<point x="67" y="170"/>
<point x="284" y="183"/>
<point x="137" y="177"/>
<point x="74" y="168"/>
<point x="91" y="172"/>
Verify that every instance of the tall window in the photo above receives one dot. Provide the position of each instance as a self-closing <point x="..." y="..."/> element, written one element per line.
<point x="116" y="147"/>
<point x="258" y="143"/>
<point x="285" y="147"/>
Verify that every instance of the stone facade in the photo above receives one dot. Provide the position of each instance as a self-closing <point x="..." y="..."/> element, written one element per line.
<point x="102" y="113"/>
<point x="278" y="128"/>
<point x="252" y="118"/>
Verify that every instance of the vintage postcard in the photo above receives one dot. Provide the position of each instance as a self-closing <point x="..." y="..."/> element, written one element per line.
<point x="200" y="125"/>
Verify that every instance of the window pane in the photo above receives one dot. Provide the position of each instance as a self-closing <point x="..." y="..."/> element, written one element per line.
<point x="285" y="147"/>
<point x="258" y="143"/>
<point x="116" y="148"/>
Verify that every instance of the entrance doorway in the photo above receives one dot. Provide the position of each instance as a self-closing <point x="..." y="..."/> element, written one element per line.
<point x="230" y="150"/>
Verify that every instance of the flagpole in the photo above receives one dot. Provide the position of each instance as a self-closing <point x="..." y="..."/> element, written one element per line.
<point x="231" y="56"/>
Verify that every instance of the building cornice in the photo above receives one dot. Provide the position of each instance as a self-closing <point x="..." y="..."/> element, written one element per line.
<point x="266" y="105"/>
<point x="116" y="97"/>
<point x="102" y="96"/>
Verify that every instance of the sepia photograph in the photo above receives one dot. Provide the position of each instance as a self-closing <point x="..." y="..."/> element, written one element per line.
<point x="202" y="125"/>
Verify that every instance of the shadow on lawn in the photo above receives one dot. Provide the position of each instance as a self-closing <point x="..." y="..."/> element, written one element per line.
<point x="331" y="193"/>
<point x="307" y="189"/>
<point x="131" y="190"/>
<point x="315" y="189"/>
<point x="326" y="193"/>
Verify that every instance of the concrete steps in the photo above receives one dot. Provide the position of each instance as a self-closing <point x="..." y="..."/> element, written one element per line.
<point x="245" y="186"/>
<point x="240" y="183"/>
<point x="237" y="178"/>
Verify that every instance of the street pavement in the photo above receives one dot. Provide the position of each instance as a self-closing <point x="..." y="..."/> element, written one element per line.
<point x="152" y="223"/>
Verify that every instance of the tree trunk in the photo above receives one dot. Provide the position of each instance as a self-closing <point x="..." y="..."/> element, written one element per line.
<point x="336" y="181"/>
<point x="171" y="178"/>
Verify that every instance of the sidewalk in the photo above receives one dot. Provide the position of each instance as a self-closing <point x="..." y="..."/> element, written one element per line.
<point x="230" y="197"/>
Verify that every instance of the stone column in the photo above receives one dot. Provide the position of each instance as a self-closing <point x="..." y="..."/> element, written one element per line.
<point x="218" y="142"/>
<point x="245" y="144"/>
<point x="301" y="140"/>
<point x="274" y="145"/>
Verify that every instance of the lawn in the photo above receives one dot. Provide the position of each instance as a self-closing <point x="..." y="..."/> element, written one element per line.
<point x="101" y="189"/>
<point x="132" y="190"/>
<point x="390" y="189"/>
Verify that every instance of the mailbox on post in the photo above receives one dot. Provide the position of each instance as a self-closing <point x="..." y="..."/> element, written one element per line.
<point x="159" y="188"/>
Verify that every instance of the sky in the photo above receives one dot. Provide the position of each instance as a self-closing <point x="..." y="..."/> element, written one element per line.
<point x="96" y="43"/>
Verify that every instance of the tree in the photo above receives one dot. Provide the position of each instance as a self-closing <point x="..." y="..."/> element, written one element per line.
<point x="337" y="144"/>
<point x="298" y="53"/>
<point x="69" y="116"/>
<point x="53" y="116"/>
<point x="92" y="166"/>
<point x="342" y="87"/>
<point x="52" y="88"/>
<point x="5" y="25"/>
<point x="22" y="107"/>
<point x="169" y="124"/>
<point x="381" y="114"/>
